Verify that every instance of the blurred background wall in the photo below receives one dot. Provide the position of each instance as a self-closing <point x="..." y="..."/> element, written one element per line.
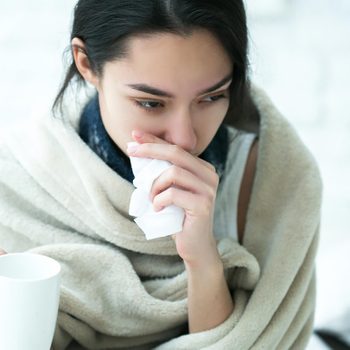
<point x="300" y="54"/>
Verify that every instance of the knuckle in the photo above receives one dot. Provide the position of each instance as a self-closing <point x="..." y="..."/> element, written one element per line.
<point x="156" y="200"/>
<point x="155" y="188"/>
<point x="174" y="171"/>
<point x="171" y="192"/>
<point x="216" y="180"/>
<point x="206" y="207"/>
<point x="211" y="194"/>
<point x="212" y="167"/>
<point x="171" y="176"/>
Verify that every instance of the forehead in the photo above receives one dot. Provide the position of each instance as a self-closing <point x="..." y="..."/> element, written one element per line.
<point x="172" y="60"/>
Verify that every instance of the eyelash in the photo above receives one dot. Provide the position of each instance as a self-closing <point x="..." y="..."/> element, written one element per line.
<point x="152" y="109"/>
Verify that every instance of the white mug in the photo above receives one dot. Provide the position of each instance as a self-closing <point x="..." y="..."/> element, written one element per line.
<point x="29" y="299"/>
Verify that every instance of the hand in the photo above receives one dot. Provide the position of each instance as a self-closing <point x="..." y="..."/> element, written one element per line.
<point x="191" y="183"/>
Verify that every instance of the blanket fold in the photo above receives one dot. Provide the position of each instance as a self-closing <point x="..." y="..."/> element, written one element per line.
<point x="121" y="291"/>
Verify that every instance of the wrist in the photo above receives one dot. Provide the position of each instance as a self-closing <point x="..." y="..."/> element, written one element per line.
<point x="210" y="266"/>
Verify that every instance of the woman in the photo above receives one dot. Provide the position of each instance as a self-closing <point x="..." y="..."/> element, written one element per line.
<point x="171" y="76"/>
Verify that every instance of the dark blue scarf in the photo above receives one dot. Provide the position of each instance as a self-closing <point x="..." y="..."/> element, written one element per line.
<point x="94" y="134"/>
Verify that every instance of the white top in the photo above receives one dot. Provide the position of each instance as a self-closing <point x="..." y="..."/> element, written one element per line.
<point x="225" y="218"/>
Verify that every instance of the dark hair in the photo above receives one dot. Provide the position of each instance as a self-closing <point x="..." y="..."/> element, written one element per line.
<point x="106" y="25"/>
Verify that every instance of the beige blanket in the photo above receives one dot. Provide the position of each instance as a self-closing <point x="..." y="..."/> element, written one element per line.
<point x="120" y="291"/>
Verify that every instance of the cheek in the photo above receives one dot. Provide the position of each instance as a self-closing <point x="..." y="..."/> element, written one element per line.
<point x="206" y="124"/>
<point x="118" y="121"/>
<point x="122" y="117"/>
<point x="210" y="118"/>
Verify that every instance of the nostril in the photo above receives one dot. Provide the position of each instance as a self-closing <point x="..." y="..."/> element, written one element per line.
<point x="180" y="132"/>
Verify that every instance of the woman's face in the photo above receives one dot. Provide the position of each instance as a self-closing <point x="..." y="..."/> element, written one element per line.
<point x="173" y="87"/>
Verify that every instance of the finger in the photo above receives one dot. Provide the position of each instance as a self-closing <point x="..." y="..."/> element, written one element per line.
<point x="177" y="156"/>
<point x="143" y="137"/>
<point x="151" y="139"/>
<point x="183" y="179"/>
<point x="193" y="204"/>
<point x="207" y="164"/>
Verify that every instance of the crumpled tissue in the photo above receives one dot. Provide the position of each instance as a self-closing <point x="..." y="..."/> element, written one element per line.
<point x="154" y="224"/>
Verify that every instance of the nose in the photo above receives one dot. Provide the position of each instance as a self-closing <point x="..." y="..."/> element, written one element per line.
<point x="180" y="131"/>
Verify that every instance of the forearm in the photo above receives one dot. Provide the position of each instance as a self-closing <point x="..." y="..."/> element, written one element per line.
<point x="209" y="299"/>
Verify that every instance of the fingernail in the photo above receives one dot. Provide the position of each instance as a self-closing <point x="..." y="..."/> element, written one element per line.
<point x="138" y="133"/>
<point x="132" y="148"/>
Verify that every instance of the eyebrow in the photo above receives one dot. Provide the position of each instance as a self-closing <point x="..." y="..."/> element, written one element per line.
<point x="155" y="91"/>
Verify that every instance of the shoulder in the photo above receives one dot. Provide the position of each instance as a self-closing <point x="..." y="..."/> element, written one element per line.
<point x="246" y="188"/>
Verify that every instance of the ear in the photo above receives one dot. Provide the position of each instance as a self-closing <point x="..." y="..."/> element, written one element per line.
<point x="82" y="62"/>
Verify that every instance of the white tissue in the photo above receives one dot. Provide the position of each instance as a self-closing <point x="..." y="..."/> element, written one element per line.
<point x="154" y="224"/>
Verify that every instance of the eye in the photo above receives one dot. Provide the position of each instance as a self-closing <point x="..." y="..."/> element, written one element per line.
<point x="148" y="105"/>
<point x="214" y="98"/>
